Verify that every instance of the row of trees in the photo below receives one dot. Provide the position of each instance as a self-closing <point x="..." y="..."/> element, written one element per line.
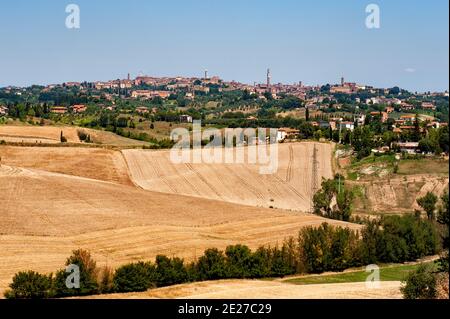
<point x="317" y="249"/>
<point x="427" y="282"/>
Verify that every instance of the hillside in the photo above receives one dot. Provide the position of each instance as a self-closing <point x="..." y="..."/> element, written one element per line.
<point x="47" y="215"/>
<point x="290" y="188"/>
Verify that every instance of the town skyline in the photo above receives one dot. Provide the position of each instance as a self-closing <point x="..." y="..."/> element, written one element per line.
<point x="313" y="42"/>
<point x="339" y="81"/>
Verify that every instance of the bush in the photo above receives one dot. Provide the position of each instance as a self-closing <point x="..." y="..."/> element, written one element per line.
<point x="134" y="277"/>
<point x="420" y="284"/>
<point x="105" y="280"/>
<point x="81" y="135"/>
<point x="30" y="285"/>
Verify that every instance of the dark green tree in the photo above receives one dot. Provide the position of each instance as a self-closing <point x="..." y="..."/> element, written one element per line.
<point x="30" y="285"/>
<point x="428" y="203"/>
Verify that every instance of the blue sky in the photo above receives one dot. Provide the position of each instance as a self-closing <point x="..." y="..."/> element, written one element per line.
<point x="316" y="42"/>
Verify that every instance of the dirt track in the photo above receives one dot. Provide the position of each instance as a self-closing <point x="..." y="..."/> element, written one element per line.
<point x="261" y="289"/>
<point x="289" y="188"/>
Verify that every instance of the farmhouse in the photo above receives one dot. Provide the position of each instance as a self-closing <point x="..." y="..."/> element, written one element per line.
<point x="287" y="133"/>
<point x="347" y="125"/>
<point x="142" y="110"/>
<point x="428" y="106"/>
<point x="185" y="119"/>
<point x="79" y="108"/>
<point x="58" y="110"/>
<point x="409" y="147"/>
<point x="146" y="94"/>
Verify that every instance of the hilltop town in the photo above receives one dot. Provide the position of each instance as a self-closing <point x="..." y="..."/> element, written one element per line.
<point x="146" y="107"/>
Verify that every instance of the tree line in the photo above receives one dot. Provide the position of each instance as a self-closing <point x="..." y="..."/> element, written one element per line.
<point x="315" y="250"/>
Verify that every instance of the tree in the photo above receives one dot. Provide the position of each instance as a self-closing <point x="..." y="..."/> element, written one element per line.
<point x="30" y="285"/>
<point x="212" y="265"/>
<point x="428" y="203"/>
<point x="238" y="261"/>
<point x="62" y="138"/>
<point x="307" y="114"/>
<point x="427" y="146"/>
<point x="334" y="189"/>
<point x="88" y="275"/>
<point x="416" y="133"/>
<point x="420" y="284"/>
<point x="344" y="202"/>
<point x="443" y="219"/>
<point x="134" y="277"/>
<point x="170" y="271"/>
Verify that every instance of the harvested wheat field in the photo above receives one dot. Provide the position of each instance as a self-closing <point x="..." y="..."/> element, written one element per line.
<point x="41" y="134"/>
<point x="263" y="289"/>
<point x="96" y="163"/>
<point x="47" y="215"/>
<point x="109" y="138"/>
<point x="52" y="135"/>
<point x="290" y="188"/>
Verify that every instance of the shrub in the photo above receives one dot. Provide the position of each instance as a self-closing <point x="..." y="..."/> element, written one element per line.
<point x="30" y="285"/>
<point x="105" y="280"/>
<point x="134" y="277"/>
<point x="81" y="135"/>
<point x="420" y="284"/>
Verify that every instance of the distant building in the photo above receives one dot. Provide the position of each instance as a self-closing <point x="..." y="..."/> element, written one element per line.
<point x="146" y="94"/>
<point x="383" y="116"/>
<point x="406" y="106"/>
<point x="428" y="106"/>
<point x="79" y="108"/>
<point x="347" y="125"/>
<point x="287" y="133"/>
<point x="72" y="84"/>
<point x="142" y="110"/>
<point x="58" y="110"/>
<point x="409" y="147"/>
<point x="141" y="94"/>
<point x="185" y="118"/>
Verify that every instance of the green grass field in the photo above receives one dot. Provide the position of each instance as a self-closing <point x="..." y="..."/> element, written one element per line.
<point x="388" y="273"/>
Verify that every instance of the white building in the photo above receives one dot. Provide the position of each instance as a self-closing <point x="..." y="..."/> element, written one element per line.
<point x="347" y="125"/>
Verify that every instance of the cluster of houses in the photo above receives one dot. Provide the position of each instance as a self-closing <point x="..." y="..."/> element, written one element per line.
<point x="81" y="108"/>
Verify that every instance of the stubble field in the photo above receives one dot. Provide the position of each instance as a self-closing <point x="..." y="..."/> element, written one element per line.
<point x="47" y="212"/>
<point x="291" y="187"/>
